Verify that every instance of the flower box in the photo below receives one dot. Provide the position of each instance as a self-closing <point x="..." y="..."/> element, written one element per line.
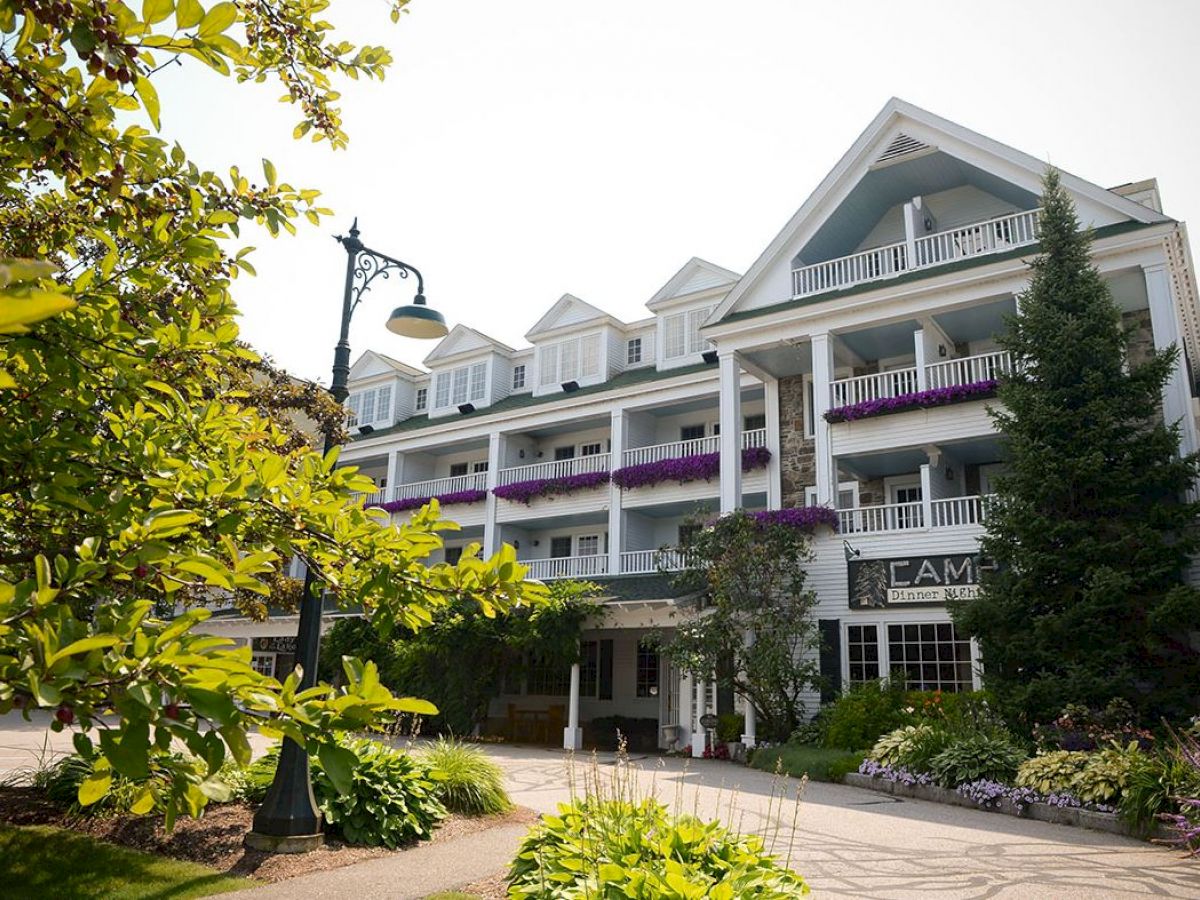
<point x="682" y="469"/>
<point x="450" y="499"/>
<point x="805" y="518"/>
<point x="526" y="491"/>
<point x="958" y="393"/>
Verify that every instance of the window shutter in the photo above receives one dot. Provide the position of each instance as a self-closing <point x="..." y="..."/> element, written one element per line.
<point x="606" y="669"/>
<point x="548" y="365"/>
<point x="589" y="365"/>
<point x="831" y="658"/>
<point x="674" y="342"/>
<point x="441" y="396"/>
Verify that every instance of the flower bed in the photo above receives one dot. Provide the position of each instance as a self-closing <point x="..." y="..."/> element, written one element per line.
<point x="806" y="518"/>
<point x="526" y="491"/>
<point x="697" y="467"/>
<point x="450" y="499"/>
<point x="918" y="400"/>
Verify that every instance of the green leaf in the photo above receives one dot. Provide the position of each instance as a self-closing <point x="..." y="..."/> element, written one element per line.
<point x="239" y="745"/>
<point x="94" y="787"/>
<point x="154" y="11"/>
<point x="338" y="763"/>
<point x="129" y="752"/>
<point x="269" y="171"/>
<point x="212" y="705"/>
<point x="188" y="13"/>
<point x="149" y="96"/>
<point x="143" y="803"/>
<point x="96" y="642"/>
<point x="217" y="19"/>
<point x="413" y="705"/>
<point x="170" y="522"/>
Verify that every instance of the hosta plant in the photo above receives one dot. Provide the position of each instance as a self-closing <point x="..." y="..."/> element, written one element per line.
<point x="1107" y="773"/>
<point x="977" y="756"/>
<point x="617" y="848"/>
<point x="1051" y="772"/>
<point x="891" y="749"/>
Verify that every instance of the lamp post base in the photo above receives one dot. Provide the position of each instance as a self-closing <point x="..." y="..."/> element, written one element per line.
<point x="292" y="843"/>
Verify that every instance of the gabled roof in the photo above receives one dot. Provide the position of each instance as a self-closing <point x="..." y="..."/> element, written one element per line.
<point x="372" y="363"/>
<point x="462" y="340"/>
<point x="569" y="310"/>
<point x="696" y="275"/>
<point x="900" y="133"/>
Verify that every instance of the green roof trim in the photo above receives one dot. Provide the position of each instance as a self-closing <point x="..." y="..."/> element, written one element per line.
<point x="523" y="401"/>
<point x="918" y="274"/>
<point x="637" y="587"/>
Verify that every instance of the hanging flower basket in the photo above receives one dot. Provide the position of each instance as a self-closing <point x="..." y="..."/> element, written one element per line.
<point x="526" y="491"/>
<point x="697" y="467"/>
<point x="805" y="518"/>
<point x="918" y="400"/>
<point x="450" y="499"/>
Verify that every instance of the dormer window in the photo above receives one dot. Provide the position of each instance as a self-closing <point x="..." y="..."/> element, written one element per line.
<point x="681" y="333"/>
<point x="569" y="360"/>
<point x="422" y="399"/>
<point x="466" y="384"/>
<point x="633" y="352"/>
<point x="370" y="407"/>
<point x="518" y="377"/>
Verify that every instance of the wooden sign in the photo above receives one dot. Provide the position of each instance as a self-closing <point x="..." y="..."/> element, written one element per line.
<point x="914" y="580"/>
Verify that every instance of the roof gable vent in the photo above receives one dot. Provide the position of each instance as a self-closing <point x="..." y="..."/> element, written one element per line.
<point x="901" y="146"/>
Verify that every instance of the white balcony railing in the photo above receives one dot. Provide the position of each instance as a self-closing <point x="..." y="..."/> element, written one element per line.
<point x="437" y="487"/>
<point x="756" y="437"/>
<point x="954" y="511"/>
<point x="643" y="562"/>
<point x="878" y="263"/>
<point x="968" y="369"/>
<point x="637" y="456"/>
<point x="885" y="517"/>
<point x="567" y="567"/>
<point x="374" y="498"/>
<point x="559" y="468"/>
<point x="861" y="388"/>
<point x="977" y="239"/>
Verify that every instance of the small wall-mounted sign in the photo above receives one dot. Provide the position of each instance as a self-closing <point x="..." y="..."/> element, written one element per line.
<point x="914" y="580"/>
<point x="708" y="720"/>
<point x="275" y="644"/>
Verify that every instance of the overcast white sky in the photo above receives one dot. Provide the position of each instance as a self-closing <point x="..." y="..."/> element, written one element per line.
<point x="517" y="151"/>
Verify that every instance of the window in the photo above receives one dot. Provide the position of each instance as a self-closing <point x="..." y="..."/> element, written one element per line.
<point x="681" y="333"/>
<point x="567" y="452"/>
<point x="263" y="663"/>
<point x="647" y="671"/>
<point x="479" y="466"/>
<point x="518" y="378"/>
<point x="369" y="407"/>
<point x="862" y="649"/>
<point x="458" y="386"/>
<point x="589" y="668"/>
<point x="569" y="360"/>
<point x="691" y="432"/>
<point x="457" y="469"/>
<point x="548" y="680"/>
<point x="847" y="495"/>
<point x="755" y="422"/>
<point x="588" y="544"/>
<point x="929" y="656"/>
<point x="810" y="409"/>
<point x="633" y="351"/>
<point x="453" y="555"/>
<point x="593" y="449"/>
<point x="422" y="399"/>
<point x="560" y="546"/>
<point x="908" y="511"/>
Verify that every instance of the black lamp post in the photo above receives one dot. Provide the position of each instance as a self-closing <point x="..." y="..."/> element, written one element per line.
<point x="288" y="820"/>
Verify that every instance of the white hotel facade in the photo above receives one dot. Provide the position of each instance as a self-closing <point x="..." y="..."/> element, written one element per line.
<point x="894" y="278"/>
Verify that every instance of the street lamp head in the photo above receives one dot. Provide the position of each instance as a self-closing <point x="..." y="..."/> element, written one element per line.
<point x="417" y="320"/>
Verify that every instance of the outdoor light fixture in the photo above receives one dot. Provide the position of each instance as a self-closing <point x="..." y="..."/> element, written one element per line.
<point x="941" y="349"/>
<point x="851" y="552"/>
<point x="289" y="815"/>
<point x="570" y="387"/>
<point x="465" y="408"/>
<point x="949" y="474"/>
<point x="709" y="357"/>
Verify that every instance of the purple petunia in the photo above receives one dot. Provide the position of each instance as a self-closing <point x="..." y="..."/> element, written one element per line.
<point x="472" y="496"/>
<point x="526" y="491"/>
<point x="682" y="469"/>
<point x="918" y="400"/>
<point x="803" y="517"/>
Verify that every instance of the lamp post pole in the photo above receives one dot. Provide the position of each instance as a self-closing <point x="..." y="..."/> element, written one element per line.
<point x="288" y="820"/>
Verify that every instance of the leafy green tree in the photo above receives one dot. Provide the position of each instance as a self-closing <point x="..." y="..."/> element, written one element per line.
<point x="460" y="660"/>
<point x="1090" y="530"/>
<point x="146" y="460"/>
<point x="747" y="616"/>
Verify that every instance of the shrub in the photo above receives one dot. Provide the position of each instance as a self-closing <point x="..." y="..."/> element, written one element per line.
<point x="864" y="712"/>
<point x="976" y="757"/>
<point x="1079" y="727"/>
<point x="468" y="781"/>
<point x="1051" y="772"/>
<point x="730" y="727"/>
<point x="797" y="760"/>
<point x="891" y="749"/>
<point x="392" y="798"/>
<point x="1107" y="773"/>
<point x="616" y="848"/>
<point x="918" y="754"/>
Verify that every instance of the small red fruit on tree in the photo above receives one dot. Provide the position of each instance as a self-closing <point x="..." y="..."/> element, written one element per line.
<point x="65" y="714"/>
<point x="171" y="711"/>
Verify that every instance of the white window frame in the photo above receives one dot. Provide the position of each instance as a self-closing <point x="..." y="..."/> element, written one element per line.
<point x="573" y="359"/>
<point x="518" y="378"/>
<point x="681" y="333"/>
<point x="462" y="384"/>
<point x="810" y="494"/>
<point x="578" y="545"/>
<point x="421" y="400"/>
<point x="585" y="449"/>
<point x="382" y="406"/>
<point x="263" y="654"/>
<point x="885" y="656"/>
<point x="633" y="351"/>
<point x="894" y="483"/>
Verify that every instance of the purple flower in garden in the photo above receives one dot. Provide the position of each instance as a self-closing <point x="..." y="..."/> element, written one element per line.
<point x="450" y="499"/>
<point x="682" y="469"/>
<point x="919" y="400"/>
<point x="526" y="491"/>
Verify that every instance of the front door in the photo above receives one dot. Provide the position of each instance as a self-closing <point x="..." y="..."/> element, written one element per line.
<point x="907" y="515"/>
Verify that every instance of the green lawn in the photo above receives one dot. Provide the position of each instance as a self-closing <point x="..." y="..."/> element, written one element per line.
<point x="817" y="763"/>
<point x="51" y="862"/>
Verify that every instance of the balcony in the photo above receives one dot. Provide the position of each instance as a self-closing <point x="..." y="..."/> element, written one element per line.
<point x="567" y="567"/>
<point x="651" y="562"/>
<point x="880" y="263"/>
<point x="900" y="382"/>
<point x="679" y="449"/>
<point x="559" y="468"/>
<point x="439" y="487"/>
<point x="948" y="512"/>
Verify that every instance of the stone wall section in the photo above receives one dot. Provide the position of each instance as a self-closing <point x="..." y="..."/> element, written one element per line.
<point x="797" y="453"/>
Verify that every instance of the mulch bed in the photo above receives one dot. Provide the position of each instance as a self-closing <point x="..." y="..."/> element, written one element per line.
<point x="215" y="839"/>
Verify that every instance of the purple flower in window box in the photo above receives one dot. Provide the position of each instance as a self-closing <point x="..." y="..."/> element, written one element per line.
<point x="450" y="499"/>
<point x="682" y="469"/>
<point x="957" y="393"/>
<point x="526" y="491"/>
<point x="806" y="518"/>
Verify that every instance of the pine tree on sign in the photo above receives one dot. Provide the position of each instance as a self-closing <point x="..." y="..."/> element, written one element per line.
<point x="1090" y="530"/>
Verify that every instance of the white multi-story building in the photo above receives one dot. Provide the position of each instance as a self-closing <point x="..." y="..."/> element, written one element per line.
<point x="894" y="278"/>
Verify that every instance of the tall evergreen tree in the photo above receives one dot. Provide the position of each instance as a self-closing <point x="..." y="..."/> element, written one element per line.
<point x="1091" y="530"/>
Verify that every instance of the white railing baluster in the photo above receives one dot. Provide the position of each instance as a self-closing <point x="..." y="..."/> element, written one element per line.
<point x="560" y="468"/>
<point x="968" y="369"/>
<point x="567" y="566"/>
<point x="436" y="487"/>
